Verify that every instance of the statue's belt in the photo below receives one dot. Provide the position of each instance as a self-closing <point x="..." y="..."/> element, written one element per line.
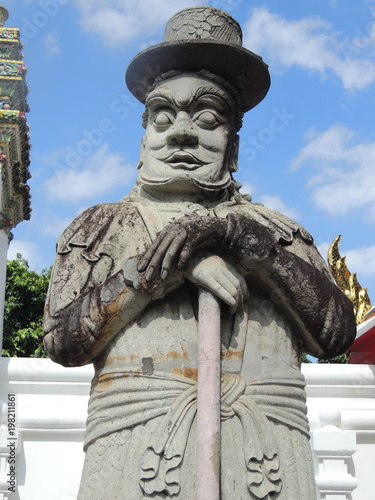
<point x="122" y="400"/>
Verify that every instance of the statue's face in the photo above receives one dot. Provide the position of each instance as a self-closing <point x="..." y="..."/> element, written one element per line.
<point x="189" y="135"/>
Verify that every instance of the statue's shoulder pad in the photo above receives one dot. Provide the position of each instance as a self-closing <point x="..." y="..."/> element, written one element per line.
<point x="96" y="224"/>
<point x="287" y="228"/>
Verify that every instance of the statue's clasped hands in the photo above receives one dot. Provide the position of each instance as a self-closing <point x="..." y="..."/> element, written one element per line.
<point x="186" y="245"/>
<point x="220" y="277"/>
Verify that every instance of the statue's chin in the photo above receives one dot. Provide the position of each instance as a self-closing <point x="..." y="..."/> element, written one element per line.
<point x="186" y="184"/>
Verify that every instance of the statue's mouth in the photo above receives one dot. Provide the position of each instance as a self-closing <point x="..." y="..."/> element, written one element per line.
<point x="183" y="159"/>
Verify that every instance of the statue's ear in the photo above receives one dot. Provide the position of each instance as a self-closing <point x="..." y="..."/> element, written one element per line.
<point x="142" y="152"/>
<point x="233" y="163"/>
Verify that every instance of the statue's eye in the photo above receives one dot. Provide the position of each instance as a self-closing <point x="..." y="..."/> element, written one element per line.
<point x="162" y="119"/>
<point x="207" y="119"/>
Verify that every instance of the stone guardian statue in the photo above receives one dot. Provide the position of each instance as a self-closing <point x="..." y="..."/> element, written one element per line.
<point x="123" y="292"/>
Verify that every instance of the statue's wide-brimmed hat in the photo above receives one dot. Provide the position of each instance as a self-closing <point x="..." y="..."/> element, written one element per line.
<point x="202" y="38"/>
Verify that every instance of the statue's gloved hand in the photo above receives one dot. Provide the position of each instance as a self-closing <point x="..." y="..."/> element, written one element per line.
<point x="157" y="288"/>
<point x="175" y="244"/>
<point x="246" y="237"/>
<point x="221" y="278"/>
<point x="238" y="236"/>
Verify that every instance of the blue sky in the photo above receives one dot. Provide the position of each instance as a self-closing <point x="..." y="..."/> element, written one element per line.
<point x="308" y="150"/>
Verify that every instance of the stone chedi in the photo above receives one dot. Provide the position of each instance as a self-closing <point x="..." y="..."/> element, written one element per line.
<point x="124" y="290"/>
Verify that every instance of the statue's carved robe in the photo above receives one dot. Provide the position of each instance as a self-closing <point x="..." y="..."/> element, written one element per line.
<point x="140" y="439"/>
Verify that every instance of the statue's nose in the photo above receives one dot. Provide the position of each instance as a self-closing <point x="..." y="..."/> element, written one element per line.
<point x="182" y="131"/>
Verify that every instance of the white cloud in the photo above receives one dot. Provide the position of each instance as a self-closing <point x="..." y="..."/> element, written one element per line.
<point x="27" y="249"/>
<point x="345" y="177"/>
<point x="247" y="188"/>
<point x="119" y="21"/>
<point x="51" y="43"/>
<point x="323" y="249"/>
<point x="360" y="261"/>
<point x="310" y="44"/>
<point x="54" y="226"/>
<point x="100" y="173"/>
<point x="270" y="201"/>
<point x="276" y="203"/>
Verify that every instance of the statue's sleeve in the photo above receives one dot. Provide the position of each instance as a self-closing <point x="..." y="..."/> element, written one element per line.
<point x="324" y="315"/>
<point x="88" y="301"/>
<point x="288" y="265"/>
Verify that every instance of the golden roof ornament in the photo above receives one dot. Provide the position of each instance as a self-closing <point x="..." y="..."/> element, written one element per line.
<point x="348" y="282"/>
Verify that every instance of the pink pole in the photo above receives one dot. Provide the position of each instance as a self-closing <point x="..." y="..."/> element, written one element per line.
<point x="208" y="404"/>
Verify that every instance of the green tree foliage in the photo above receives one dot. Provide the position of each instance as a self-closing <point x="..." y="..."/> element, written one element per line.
<point x="25" y="294"/>
<point x="341" y="358"/>
<point x="305" y="359"/>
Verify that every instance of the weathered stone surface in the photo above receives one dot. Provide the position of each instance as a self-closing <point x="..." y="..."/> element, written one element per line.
<point x="124" y="295"/>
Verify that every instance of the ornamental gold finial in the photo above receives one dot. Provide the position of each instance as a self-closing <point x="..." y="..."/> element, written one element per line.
<point x="348" y="282"/>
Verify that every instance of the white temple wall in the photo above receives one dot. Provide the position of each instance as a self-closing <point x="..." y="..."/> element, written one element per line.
<point x="4" y="242"/>
<point x="51" y="402"/>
